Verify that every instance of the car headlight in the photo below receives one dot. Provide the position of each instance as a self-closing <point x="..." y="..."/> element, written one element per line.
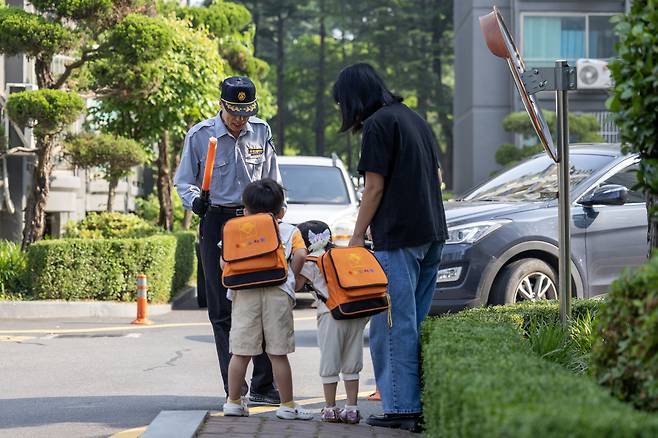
<point x="471" y="233"/>
<point x="342" y="232"/>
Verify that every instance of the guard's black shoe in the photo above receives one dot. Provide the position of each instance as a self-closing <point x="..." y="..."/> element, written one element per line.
<point x="243" y="390"/>
<point x="270" y="398"/>
<point x="410" y="422"/>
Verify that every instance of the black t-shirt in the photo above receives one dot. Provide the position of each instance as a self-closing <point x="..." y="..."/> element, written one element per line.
<point x="398" y="144"/>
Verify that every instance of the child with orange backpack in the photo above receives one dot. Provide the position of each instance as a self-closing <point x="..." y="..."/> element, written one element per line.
<point x="340" y="323"/>
<point x="260" y="257"/>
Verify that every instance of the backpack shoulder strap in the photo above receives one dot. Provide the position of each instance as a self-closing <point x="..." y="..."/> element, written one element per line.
<point x="286" y="231"/>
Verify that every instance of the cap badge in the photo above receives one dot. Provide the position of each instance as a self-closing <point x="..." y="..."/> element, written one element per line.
<point x="242" y="96"/>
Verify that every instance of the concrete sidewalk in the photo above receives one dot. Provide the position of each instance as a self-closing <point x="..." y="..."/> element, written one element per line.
<point x="262" y="427"/>
<point x="32" y="309"/>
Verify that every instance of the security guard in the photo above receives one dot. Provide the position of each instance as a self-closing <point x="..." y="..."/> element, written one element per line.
<point x="244" y="154"/>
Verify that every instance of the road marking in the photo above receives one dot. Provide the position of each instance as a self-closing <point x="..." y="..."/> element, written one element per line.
<point x="130" y="433"/>
<point x="120" y="328"/>
<point x="308" y="401"/>
<point x="18" y="339"/>
<point x="136" y="432"/>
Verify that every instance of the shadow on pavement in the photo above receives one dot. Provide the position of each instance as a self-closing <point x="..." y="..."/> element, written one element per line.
<point x="116" y="411"/>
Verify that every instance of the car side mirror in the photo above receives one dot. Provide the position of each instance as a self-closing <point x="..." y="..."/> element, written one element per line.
<point x="609" y="194"/>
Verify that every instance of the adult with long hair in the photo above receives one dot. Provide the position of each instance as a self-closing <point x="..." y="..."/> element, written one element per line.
<point x="403" y="206"/>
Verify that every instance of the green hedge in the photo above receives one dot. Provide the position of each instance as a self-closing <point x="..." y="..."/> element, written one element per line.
<point x="110" y="225"/>
<point x="106" y="269"/>
<point x="185" y="259"/>
<point x="482" y="379"/>
<point x="625" y="355"/>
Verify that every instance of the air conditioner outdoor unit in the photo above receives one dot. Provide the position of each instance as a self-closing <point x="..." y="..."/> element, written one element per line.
<point x="593" y="74"/>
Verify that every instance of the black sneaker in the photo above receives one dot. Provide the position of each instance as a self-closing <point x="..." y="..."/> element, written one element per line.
<point x="271" y="398"/>
<point x="410" y="422"/>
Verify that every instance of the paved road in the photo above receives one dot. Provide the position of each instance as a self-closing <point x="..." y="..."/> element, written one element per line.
<point x="93" y="378"/>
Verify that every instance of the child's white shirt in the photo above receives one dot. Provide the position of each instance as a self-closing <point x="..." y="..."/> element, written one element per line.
<point x="311" y="271"/>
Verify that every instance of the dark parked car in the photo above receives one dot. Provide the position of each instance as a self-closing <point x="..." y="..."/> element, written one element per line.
<point x="502" y="245"/>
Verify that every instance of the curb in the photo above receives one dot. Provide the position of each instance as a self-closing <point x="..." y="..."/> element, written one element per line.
<point x="85" y="309"/>
<point x="176" y="424"/>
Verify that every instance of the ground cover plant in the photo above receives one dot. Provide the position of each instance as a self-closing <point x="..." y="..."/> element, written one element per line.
<point x="13" y="265"/>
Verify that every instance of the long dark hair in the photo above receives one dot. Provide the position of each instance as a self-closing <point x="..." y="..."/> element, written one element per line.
<point x="360" y="91"/>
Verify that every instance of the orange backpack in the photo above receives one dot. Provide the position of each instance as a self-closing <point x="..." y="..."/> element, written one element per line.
<point x="253" y="253"/>
<point x="356" y="282"/>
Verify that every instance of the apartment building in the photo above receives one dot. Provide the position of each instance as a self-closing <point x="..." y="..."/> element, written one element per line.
<point x="484" y="92"/>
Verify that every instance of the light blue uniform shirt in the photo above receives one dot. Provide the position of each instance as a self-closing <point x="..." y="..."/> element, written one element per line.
<point x="237" y="163"/>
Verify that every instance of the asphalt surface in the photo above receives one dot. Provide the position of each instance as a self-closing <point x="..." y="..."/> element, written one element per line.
<point x="96" y="377"/>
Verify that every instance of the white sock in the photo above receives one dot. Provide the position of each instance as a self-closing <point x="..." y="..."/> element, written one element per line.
<point x="351" y="408"/>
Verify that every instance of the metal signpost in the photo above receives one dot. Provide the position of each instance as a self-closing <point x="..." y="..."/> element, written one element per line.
<point x="560" y="79"/>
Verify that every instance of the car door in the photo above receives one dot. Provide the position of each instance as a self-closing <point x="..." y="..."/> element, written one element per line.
<point x="616" y="235"/>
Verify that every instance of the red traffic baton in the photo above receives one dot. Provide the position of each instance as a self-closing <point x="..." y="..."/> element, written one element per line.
<point x="207" y="172"/>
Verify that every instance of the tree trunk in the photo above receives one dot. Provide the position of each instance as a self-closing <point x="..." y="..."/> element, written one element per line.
<point x="319" y="94"/>
<point x="348" y="136"/>
<point x="44" y="75"/>
<point x="111" y="192"/>
<point x="166" y="219"/>
<point x="255" y="14"/>
<point x="187" y="220"/>
<point x="36" y="204"/>
<point x="280" y="85"/>
<point x="444" y="99"/>
<point x="652" y="232"/>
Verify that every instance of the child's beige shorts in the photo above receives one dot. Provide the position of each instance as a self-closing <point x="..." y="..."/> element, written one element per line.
<point x="263" y="314"/>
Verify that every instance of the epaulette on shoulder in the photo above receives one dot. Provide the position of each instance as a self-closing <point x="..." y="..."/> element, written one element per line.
<point x="204" y="124"/>
<point x="256" y="120"/>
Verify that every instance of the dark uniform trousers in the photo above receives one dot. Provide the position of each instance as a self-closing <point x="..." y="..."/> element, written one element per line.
<point x="219" y="307"/>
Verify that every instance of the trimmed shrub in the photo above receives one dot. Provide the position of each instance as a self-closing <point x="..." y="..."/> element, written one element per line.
<point x="110" y="225"/>
<point x="148" y="208"/>
<point x="185" y="259"/>
<point x="13" y="266"/>
<point x="102" y="269"/>
<point x="625" y="357"/>
<point x="481" y="378"/>
<point x="526" y="313"/>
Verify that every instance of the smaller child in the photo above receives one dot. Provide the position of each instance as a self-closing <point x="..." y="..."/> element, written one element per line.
<point x="340" y="341"/>
<point x="262" y="317"/>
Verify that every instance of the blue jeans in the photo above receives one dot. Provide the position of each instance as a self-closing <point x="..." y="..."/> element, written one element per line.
<point x="395" y="350"/>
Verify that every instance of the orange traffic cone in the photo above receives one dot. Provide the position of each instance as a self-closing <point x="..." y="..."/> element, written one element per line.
<point x="142" y="302"/>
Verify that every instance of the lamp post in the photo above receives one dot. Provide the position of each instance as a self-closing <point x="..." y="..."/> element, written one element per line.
<point x="561" y="78"/>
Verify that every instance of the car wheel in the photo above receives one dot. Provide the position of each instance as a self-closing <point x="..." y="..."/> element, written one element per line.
<point x="525" y="280"/>
<point x="200" y="281"/>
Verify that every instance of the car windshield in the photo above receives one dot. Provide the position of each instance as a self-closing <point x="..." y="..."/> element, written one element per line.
<point x="307" y="184"/>
<point x="536" y="179"/>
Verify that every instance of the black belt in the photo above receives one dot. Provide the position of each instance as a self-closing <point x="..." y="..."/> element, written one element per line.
<point x="237" y="211"/>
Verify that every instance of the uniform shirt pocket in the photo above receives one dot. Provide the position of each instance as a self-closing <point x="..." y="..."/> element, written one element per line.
<point x="254" y="165"/>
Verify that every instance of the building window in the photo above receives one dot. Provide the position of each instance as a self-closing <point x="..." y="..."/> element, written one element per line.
<point x="546" y="38"/>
